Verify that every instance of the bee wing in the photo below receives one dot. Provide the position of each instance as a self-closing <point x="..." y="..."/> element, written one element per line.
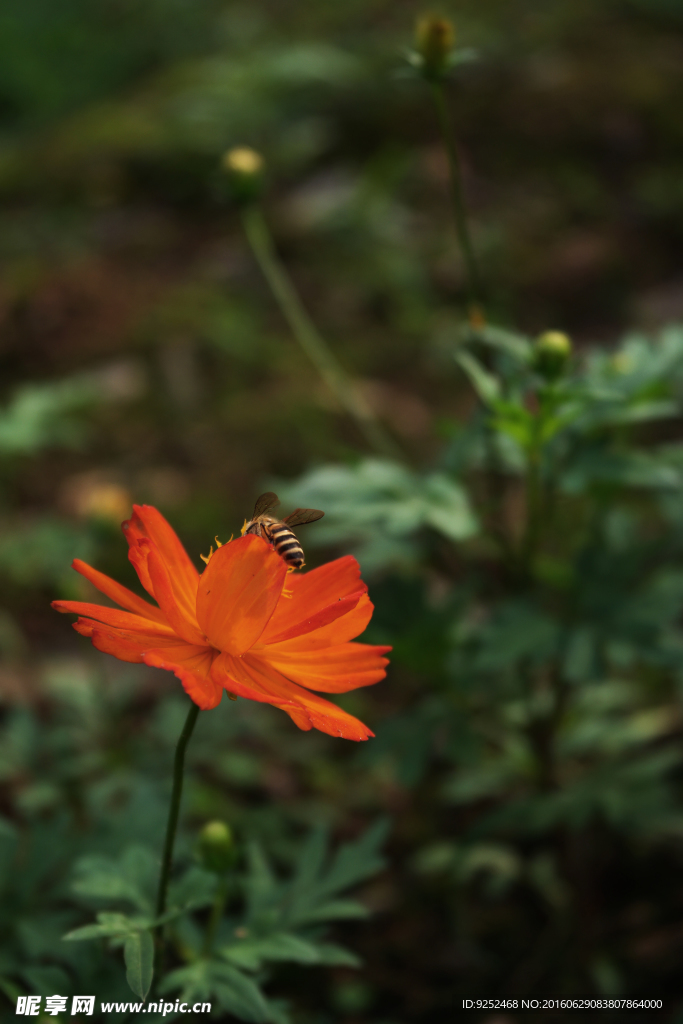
<point x="265" y="503"/>
<point x="301" y="516"/>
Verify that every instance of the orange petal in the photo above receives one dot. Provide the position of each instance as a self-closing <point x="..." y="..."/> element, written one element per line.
<point x="321" y="618"/>
<point x="122" y="595"/>
<point x="171" y="600"/>
<point x="113" y="616"/>
<point x="139" y="639"/>
<point x="126" y="645"/>
<point x="252" y="678"/>
<point x="192" y="666"/>
<point x="138" y="556"/>
<point x="176" y="583"/>
<point x="238" y="592"/>
<point x="332" y="670"/>
<point x="313" y="591"/>
<point x="339" y="631"/>
<point x="148" y="522"/>
<point x="190" y="663"/>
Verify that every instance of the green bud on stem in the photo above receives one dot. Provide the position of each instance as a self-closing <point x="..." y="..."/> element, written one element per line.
<point x="216" y="847"/>
<point x="244" y="168"/>
<point x="434" y="44"/>
<point x="552" y="352"/>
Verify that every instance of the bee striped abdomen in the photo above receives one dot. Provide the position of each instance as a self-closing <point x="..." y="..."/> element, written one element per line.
<point x="286" y="545"/>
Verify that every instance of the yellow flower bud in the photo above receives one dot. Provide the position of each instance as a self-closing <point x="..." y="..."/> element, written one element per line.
<point x="243" y="160"/>
<point x="244" y="167"/>
<point x="216" y="847"/>
<point x="434" y="43"/>
<point x="552" y="351"/>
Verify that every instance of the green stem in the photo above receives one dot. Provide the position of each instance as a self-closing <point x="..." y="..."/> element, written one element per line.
<point x="174" y="810"/>
<point x="215" y="918"/>
<point x="307" y="335"/>
<point x="533" y="511"/>
<point x="474" y="282"/>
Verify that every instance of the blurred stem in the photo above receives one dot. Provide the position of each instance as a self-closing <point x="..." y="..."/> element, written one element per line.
<point x="533" y="509"/>
<point x="474" y="283"/>
<point x="215" y="917"/>
<point x="173" y="812"/>
<point x="310" y="340"/>
<point x="494" y="484"/>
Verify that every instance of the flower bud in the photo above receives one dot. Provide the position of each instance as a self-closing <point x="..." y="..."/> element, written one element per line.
<point x="434" y="43"/>
<point x="244" y="167"/>
<point x="216" y="847"/>
<point x="552" y="351"/>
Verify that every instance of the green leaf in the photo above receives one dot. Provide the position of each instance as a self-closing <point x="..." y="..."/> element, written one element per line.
<point x="358" y="860"/>
<point x="380" y="504"/>
<point x="484" y="383"/>
<point x="196" y="888"/>
<point x="513" y="419"/>
<point x="332" y="955"/>
<point x="238" y="994"/>
<point x="193" y="981"/>
<point x="130" y="878"/>
<point x="333" y="910"/>
<point x="209" y="979"/>
<point x="41" y="416"/>
<point x="138" y="954"/>
<point x="448" y="508"/>
<point x="512" y="344"/>
<point x="109" y="925"/>
<point x="251" y="953"/>
<point x="262" y="886"/>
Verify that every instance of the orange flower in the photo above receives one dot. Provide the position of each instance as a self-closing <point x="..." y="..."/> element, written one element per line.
<point x="237" y="627"/>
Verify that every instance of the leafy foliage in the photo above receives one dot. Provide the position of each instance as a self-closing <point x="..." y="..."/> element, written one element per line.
<point x="281" y="920"/>
<point x="555" y="724"/>
<point x="380" y="506"/>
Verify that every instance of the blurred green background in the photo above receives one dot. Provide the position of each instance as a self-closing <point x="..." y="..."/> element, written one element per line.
<point x="144" y="358"/>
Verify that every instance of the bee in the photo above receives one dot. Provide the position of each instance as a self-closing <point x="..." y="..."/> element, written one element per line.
<point x="278" y="532"/>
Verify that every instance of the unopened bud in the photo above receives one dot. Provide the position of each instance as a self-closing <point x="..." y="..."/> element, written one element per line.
<point x="244" y="167"/>
<point x="216" y="847"/>
<point x="434" y="43"/>
<point x="552" y="351"/>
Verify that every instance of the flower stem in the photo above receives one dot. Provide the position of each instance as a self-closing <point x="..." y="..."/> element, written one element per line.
<point x="173" y="811"/>
<point x="215" y="917"/>
<point x="309" y="338"/>
<point x="474" y="282"/>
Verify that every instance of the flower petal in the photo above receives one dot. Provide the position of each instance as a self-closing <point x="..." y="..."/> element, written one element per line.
<point x="341" y="606"/>
<point x="171" y="600"/>
<point x="113" y="616"/>
<point x="122" y="595"/>
<point x="255" y="679"/>
<point x="164" y="568"/>
<point x="148" y="522"/>
<point x="238" y="593"/>
<point x="136" y="639"/>
<point x="312" y="592"/>
<point x="189" y="662"/>
<point x="339" y="631"/>
<point x="123" y="644"/>
<point x="332" y="670"/>
<point x="192" y="666"/>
